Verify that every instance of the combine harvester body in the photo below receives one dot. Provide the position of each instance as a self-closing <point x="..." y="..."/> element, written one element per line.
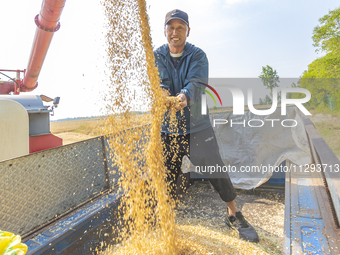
<point x="58" y="198"/>
<point x="63" y="199"/>
<point x="38" y="128"/>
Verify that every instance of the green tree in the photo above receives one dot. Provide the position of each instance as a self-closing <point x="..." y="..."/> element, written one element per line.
<point x="327" y="66"/>
<point x="322" y="77"/>
<point x="326" y="36"/>
<point x="293" y="85"/>
<point x="270" y="80"/>
<point x="267" y="100"/>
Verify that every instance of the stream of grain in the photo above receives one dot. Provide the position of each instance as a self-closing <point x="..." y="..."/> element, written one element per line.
<point x="147" y="209"/>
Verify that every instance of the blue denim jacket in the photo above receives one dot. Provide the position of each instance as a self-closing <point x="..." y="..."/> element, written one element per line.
<point x="192" y="69"/>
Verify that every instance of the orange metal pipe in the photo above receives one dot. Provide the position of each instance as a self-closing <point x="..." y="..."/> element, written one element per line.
<point x="6" y="87"/>
<point x="11" y="86"/>
<point x="47" y="23"/>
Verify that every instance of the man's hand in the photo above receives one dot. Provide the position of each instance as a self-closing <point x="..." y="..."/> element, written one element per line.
<point x="178" y="102"/>
<point x="182" y="102"/>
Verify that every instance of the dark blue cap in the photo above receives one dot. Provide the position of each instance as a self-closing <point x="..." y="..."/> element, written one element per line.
<point x="176" y="14"/>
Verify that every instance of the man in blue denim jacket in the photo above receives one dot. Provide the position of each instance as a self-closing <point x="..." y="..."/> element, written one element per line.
<point x="182" y="67"/>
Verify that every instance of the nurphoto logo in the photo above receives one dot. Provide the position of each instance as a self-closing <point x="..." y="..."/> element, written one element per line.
<point x="204" y="97"/>
<point x="238" y="99"/>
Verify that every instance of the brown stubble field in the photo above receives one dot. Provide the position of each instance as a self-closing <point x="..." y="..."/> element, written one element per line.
<point x="72" y="131"/>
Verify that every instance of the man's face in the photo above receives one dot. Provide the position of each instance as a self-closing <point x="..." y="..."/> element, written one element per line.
<point x="176" y="32"/>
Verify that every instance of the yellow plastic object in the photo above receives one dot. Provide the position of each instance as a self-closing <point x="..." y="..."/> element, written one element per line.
<point x="10" y="244"/>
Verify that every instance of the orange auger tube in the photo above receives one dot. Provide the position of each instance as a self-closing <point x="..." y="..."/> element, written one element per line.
<point x="47" y="23"/>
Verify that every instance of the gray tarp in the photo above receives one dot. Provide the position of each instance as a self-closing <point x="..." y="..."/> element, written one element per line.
<point x="262" y="147"/>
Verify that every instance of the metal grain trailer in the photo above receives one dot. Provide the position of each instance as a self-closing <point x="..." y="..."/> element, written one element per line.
<point x="63" y="200"/>
<point x="312" y="201"/>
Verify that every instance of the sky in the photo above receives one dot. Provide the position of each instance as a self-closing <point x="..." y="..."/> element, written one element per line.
<point x="238" y="36"/>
